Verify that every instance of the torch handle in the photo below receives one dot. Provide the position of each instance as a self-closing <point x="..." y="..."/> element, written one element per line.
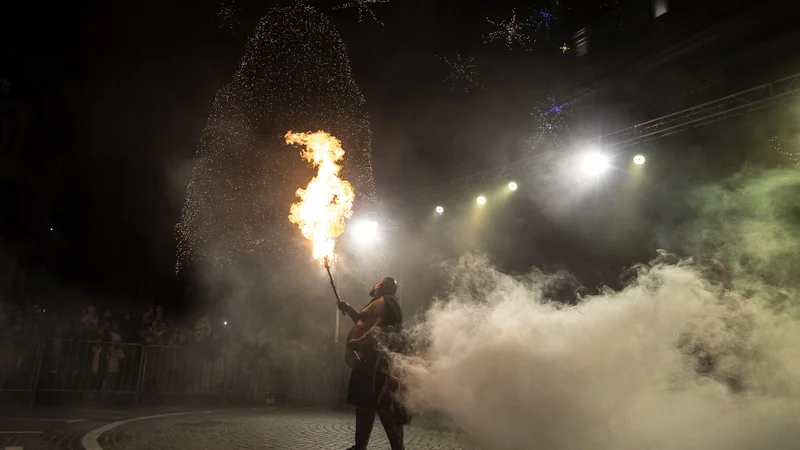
<point x="333" y="285"/>
<point x="338" y="299"/>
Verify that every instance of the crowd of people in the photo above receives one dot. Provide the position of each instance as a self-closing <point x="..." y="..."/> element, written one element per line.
<point x="148" y="328"/>
<point x="94" y="349"/>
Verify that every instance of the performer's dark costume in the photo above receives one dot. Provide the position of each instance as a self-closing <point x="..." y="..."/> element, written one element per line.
<point x="371" y="389"/>
<point x="705" y="362"/>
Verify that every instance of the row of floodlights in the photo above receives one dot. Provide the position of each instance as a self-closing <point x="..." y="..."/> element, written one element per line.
<point x="591" y="164"/>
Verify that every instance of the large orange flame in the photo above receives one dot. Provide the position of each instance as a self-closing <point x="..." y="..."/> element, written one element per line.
<point x="327" y="200"/>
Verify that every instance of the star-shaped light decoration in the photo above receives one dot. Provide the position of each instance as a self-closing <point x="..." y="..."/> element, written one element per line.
<point x="363" y="6"/>
<point x="228" y="12"/>
<point x="550" y="120"/>
<point x="512" y="31"/>
<point x="462" y="76"/>
<point x="564" y="48"/>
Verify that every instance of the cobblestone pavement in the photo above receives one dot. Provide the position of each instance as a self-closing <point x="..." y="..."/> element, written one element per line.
<point x="58" y="428"/>
<point x="172" y="429"/>
<point x="277" y="429"/>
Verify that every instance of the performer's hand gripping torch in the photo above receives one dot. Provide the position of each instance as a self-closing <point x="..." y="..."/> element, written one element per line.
<point x="327" y="265"/>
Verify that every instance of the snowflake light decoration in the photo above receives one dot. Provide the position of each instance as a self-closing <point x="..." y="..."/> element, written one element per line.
<point x="512" y="31"/>
<point x="462" y="74"/>
<point x="550" y="121"/>
<point x="545" y="18"/>
<point x="363" y="6"/>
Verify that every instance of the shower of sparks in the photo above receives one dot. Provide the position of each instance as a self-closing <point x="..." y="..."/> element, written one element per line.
<point x="228" y="12"/>
<point x="363" y="6"/>
<point x="775" y="144"/>
<point x="327" y="200"/>
<point x="295" y="74"/>
<point x="550" y="121"/>
<point x="512" y="31"/>
<point x="462" y="76"/>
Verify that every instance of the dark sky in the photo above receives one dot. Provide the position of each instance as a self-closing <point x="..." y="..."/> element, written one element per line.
<point x="126" y="88"/>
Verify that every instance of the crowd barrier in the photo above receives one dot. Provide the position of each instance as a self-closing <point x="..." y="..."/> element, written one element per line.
<point x="34" y="368"/>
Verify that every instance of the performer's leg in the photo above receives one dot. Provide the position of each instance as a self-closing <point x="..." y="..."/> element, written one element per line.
<point x="394" y="430"/>
<point x="365" y="419"/>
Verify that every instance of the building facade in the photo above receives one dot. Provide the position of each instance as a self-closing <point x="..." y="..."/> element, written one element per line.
<point x="655" y="57"/>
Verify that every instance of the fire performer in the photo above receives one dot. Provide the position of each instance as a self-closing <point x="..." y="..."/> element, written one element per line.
<point x="371" y="389"/>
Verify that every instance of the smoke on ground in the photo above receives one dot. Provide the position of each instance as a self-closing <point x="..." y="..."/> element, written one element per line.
<point x="507" y="365"/>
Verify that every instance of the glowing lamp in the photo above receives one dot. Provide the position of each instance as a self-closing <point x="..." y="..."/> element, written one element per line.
<point x="367" y="230"/>
<point x="439" y="210"/>
<point x="512" y="186"/>
<point x="638" y="159"/>
<point x="595" y="163"/>
<point x="481" y="200"/>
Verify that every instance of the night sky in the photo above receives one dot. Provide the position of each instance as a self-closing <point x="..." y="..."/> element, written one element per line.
<point x="125" y="89"/>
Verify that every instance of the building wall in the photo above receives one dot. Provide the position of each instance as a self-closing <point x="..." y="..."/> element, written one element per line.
<point x="685" y="57"/>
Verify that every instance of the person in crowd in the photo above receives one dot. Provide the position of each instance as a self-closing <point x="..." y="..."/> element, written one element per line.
<point x="114" y="358"/>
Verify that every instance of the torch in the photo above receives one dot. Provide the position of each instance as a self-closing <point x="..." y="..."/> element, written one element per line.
<point x="327" y="265"/>
<point x="326" y="202"/>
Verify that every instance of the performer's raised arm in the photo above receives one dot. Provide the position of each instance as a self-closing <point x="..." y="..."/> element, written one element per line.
<point x="349" y="310"/>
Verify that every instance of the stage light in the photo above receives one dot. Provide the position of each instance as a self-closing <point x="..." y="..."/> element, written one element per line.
<point x="439" y="210"/>
<point x="367" y="230"/>
<point x="638" y="159"/>
<point x="481" y="200"/>
<point x="595" y="163"/>
<point x="512" y="186"/>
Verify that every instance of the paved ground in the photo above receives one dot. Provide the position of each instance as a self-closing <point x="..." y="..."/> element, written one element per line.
<point x="262" y="429"/>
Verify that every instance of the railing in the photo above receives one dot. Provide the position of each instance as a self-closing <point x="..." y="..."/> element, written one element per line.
<point x="69" y="370"/>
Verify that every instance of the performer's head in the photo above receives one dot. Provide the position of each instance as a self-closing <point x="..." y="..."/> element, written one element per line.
<point x="387" y="286"/>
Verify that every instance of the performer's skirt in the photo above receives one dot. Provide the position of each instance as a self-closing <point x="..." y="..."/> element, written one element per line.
<point x="365" y="384"/>
<point x="370" y="385"/>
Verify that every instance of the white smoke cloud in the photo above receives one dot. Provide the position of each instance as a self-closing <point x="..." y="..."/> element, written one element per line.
<point x="518" y="372"/>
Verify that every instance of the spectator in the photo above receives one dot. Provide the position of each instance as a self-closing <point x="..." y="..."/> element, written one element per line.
<point x="90" y="321"/>
<point x="115" y="355"/>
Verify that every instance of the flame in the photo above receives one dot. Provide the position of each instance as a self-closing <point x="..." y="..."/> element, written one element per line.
<point x="327" y="200"/>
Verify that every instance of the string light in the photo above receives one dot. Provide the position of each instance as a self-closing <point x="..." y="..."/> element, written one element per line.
<point x="462" y="74"/>
<point x="550" y="120"/>
<point x="775" y="143"/>
<point x="363" y="6"/>
<point x="511" y="31"/>
<point x="296" y="75"/>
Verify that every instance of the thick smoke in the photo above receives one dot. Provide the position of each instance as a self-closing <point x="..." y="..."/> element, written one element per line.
<point x="621" y="370"/>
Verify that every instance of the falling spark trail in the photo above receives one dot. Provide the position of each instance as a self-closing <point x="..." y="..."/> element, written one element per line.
<point x="295" y="74"/>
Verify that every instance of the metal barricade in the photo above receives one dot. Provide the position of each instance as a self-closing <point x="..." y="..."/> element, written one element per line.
<point x="155" y="373"/>
<point x="256" y="378"/>
<point x="19" y="361"/>
<point x="67" y="365"/>
<point x="318" y="374"/>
